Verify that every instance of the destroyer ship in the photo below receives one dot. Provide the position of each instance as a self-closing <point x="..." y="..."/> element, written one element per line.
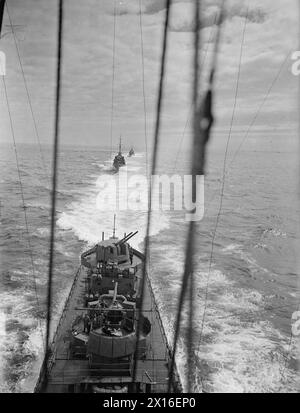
<point x="95" y="342"/>
<point x="119" y="159"/>
<point x="131" y="152"/>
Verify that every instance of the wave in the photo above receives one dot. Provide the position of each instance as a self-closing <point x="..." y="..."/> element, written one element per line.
<point x="240" y="351"/>
<point x="88" y="221"/>
<point x="20" y="339"/>
<point x="276" y="232"/>
<point x="243" y="347"/>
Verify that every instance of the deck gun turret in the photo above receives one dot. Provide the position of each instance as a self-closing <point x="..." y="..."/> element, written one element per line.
<point x="126" y="238"/>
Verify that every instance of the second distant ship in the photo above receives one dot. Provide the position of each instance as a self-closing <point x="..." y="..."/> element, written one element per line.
<point x="131" y="152"/>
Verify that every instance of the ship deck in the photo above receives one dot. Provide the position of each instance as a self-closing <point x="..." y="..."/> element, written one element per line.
<point x="65" y="372"/>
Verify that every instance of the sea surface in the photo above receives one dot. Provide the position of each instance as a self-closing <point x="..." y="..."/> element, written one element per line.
<point x="252" y="287"/>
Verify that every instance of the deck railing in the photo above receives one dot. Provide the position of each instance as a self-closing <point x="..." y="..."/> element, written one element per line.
<point x="45" y="369"/>
<point x="141" y="256"/>
<point x="65" y="308"/>
<point x="169" y="351"/>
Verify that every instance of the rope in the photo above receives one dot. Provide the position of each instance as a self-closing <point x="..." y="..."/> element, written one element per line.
<point x="28" y="95"/>
<point x="203" y="118"/>
<point x="197" y="167"/>
<point x="113" y="82"/>
<point x="54" y="176"/>
<point x="24" y="206"/>
<point x="143" y="82"/>
<point x="153" y="171"/>
<point x="191" y="108"/>
<point x="224" y="174"/>
<point x="145" y="130"/>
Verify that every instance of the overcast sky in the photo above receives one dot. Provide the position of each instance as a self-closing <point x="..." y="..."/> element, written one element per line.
<point x="271" y="35"/>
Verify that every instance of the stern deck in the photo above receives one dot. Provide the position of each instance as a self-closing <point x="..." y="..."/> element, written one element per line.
<point x="65" y="372"/>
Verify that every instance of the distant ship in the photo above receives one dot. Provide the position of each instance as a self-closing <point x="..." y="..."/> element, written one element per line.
<point x="119" y="159"/>
<point x="131" y="152"/>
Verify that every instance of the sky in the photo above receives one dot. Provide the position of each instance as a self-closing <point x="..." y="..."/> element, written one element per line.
<point x="271" y="36"/>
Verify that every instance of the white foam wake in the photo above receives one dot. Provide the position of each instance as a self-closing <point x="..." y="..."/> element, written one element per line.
<point x="84" y="218"/>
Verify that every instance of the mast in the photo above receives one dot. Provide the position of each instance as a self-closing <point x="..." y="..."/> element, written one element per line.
<point x="114" y="230"/>
<point x="120" y="145"/>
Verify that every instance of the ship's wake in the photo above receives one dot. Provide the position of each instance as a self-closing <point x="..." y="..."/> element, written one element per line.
<point x="87" y="221"/>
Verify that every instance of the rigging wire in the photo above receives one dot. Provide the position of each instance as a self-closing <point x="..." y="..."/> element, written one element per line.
<point x="113" y="82"/>
<point x="253" y="121"/>
<point x="188" y="254"/>
<point x="23" y="207"/>
<point x="260" y="108"/>
<point x="190" y="112"/>
<point x="224" y="175"/>
<point x="54" y="177"/>
<point x="2" y="5"/>
<point x="197" y="168"/>
<point x="143" y="82"/>
<point x="145" y="127"/>
<point x="28" y="94"/>
<point x="202" y="123"/>
<point x="153" y="171"/>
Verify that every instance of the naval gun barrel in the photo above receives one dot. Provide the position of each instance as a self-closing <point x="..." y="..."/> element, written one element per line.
<point x="124" y="239"/>
<point x="128" y="238"/>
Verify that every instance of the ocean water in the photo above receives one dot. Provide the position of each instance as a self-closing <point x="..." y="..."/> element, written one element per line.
<point x="252" y="288"/>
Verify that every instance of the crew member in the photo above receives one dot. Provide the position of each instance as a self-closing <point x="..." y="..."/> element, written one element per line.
<point x="131" y="255"/>
<point x="94" y="322"/>
<point x="86" y="324"/>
